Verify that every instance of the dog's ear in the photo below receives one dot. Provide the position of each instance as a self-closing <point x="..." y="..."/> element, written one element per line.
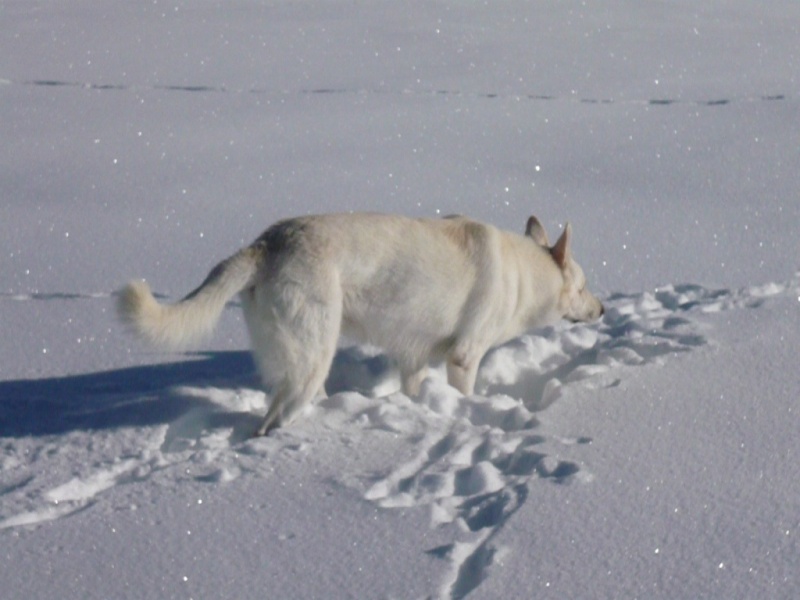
<point x="535" y="230"/>
<point x="560" y="252"/>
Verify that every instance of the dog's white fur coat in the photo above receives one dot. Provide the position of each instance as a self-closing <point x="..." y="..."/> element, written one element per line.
<point x="422" y="289"/>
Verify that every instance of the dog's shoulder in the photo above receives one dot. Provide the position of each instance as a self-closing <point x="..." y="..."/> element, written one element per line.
<point x="469" y="235"/>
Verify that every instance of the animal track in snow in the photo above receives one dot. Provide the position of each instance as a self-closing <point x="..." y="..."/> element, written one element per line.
<point x="520" y="96"/>
<point x="475" y="470"/>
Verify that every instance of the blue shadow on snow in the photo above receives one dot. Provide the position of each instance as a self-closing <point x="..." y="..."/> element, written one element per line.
<point x="130" y="397"/>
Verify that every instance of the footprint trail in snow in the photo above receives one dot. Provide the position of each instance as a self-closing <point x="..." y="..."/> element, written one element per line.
<point x="475" y="466"/>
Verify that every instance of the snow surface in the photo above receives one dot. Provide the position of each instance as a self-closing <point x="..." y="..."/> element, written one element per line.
<point x="654" y="454"/>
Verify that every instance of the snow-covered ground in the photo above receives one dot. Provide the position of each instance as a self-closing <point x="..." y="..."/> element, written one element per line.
<point x="654" y="454"/>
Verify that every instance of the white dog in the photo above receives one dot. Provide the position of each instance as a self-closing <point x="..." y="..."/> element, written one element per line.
<point x="422" y="289"/>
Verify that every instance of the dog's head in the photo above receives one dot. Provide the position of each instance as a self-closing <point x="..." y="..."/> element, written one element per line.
<point x="575" y="303"/>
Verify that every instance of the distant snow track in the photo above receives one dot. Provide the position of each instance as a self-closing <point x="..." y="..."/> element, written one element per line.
<point x="536" y="97"/>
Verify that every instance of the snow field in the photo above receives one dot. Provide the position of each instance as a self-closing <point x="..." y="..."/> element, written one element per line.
<point x="651" y="455"/>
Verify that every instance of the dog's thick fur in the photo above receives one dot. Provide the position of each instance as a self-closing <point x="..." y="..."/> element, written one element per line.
<point x="422" y="289"/>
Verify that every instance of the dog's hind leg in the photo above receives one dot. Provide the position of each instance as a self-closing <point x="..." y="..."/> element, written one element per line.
<point x="301" y="383"/>
<point x="294" y="341"/>
<point x="287" y="403"/>
<point x="274" y="416"/>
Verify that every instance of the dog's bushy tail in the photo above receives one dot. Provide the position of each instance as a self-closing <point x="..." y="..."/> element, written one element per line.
<point x="180" y="325"/>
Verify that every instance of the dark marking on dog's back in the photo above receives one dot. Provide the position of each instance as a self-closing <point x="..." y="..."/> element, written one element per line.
<point x="282" y="236"/>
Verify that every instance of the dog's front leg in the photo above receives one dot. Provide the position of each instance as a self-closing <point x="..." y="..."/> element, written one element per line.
<point x="411" y="379"/>
<point x="462" y="370"/>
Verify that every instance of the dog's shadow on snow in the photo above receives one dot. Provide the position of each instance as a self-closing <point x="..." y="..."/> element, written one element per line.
<point x="136" y="396"/>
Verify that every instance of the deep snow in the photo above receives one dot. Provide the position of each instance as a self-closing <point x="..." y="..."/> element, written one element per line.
<point x="653" y="454"/>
